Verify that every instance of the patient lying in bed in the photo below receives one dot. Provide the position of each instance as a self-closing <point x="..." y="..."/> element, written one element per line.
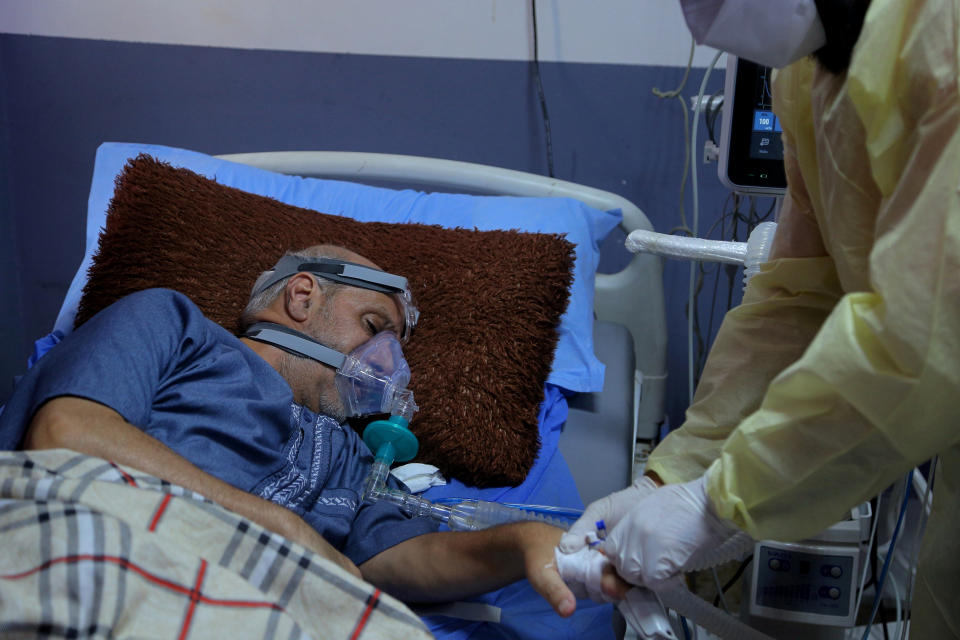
<point x="151" y="383"/>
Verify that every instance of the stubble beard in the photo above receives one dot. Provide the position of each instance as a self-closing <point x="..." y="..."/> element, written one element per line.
<point x="302" y="375"/>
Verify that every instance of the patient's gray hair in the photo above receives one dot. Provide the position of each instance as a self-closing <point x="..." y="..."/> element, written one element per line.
<point x="260" y="301"/>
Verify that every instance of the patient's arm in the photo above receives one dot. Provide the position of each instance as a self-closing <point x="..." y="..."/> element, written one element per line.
<point x="449" y="565"/>
<point x="94" y="429"/>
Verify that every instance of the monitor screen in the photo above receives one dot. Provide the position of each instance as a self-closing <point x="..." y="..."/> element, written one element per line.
<point x="765" y="140"/>
<point x="751" y="149"/>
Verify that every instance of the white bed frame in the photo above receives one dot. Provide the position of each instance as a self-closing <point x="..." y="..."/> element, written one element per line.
<point x="633" y="297"/>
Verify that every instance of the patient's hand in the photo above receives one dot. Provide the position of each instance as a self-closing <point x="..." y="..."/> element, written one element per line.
<point x="589" y="574"/>
<point x="450" y="565"/>
<point x="537" y="543"/>
<point x="539" y="548"/>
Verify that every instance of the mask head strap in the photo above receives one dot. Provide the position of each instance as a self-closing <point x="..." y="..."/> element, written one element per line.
<point x="353" y="274"/>
<point x="294" y="342"/>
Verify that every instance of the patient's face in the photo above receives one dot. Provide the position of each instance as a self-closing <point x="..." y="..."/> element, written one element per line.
<point x="344" y="321"/>
<point x="352" y="315"/>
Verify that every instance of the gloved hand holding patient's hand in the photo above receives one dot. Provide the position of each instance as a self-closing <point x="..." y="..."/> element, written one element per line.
<point x="611" y="509"/>
<point x="589" y="574"/>
<point x="670" y="530"/>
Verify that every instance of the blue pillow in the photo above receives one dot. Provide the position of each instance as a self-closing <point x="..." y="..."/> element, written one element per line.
<point x="575" y="367"/>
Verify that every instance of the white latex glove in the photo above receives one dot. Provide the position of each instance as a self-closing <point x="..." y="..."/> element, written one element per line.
<point x="672" y="530"/>
<point x="583" y="572"/>
<point x="610" y="509"/>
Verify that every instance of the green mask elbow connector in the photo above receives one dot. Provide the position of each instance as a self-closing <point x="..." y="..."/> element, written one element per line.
<point x="390" y="441"/>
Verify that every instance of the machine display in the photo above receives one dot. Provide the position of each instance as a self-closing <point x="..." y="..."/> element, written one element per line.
<point x="751" y="149"/>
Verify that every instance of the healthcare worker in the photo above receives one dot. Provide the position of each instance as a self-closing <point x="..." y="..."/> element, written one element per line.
<point x="840" y="371"/>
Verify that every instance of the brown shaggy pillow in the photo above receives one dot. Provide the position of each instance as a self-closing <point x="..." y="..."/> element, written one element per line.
<point x="490" y="301"/>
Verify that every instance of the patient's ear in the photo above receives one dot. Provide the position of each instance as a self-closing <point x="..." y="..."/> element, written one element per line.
<point x="299" y="296"/>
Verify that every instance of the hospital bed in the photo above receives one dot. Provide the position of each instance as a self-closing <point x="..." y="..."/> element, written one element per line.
<point x="629" y="337"/>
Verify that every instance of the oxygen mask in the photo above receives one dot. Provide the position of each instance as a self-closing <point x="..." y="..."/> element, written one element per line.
<point x="371" y="379"/>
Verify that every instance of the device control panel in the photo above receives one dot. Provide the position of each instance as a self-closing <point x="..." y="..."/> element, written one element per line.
<point x="805" y="583"/>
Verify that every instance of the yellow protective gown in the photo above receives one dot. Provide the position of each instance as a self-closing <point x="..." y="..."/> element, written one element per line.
<point x="841" y="369"/>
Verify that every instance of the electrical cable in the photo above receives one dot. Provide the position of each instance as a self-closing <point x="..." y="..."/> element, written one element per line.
<point x="548" y="136"/>
<point x="735" y="236"/>
<point x="751" y="218"/>
<point x="736" y="576"/>
<point x="886" y="561"/>
<point x="675" y="94"/>
<point x="704" y="269"/>
<point x="915" y="552"/>
<point x="716" y="582"/>
<point x="701" y="353"/>
<point x="872" y="559"/>
<point x="882" y="609"/>
<point x="691" y="302"/>
<point x="875" y="508"/>
<point x="896" y="595"/>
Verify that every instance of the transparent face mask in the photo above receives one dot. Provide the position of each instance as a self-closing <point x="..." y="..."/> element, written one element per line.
<point x="371" y="379"/>
<point x="374" y="377"/>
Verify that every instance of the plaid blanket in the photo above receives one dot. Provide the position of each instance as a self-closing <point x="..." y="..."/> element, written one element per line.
<point x="90" y="548"/>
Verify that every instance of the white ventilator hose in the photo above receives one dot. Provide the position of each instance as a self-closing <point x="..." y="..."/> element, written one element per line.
<point x="676" y="596"/>
<point x="704" y="614"/>
<point x="750" y="254"/>
<point x="662" y="244"/>
<point x="644" y="612"/>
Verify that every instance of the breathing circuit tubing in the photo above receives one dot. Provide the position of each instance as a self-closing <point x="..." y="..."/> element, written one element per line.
<point x="470" y="514"/>
<point x="750" y="254"/>
<point x="392" y="440"/>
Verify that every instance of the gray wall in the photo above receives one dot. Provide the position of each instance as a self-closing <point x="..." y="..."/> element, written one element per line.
<point x="60" y="98"/>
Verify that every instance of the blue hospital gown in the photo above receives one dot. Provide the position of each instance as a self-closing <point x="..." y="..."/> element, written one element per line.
<point x="160" y="363"/>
